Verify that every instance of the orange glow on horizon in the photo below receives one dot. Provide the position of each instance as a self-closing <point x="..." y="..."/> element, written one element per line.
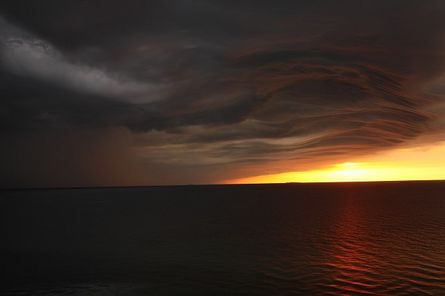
<point x="420" y="163"/>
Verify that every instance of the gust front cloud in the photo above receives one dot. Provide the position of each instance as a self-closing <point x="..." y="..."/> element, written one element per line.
<point x="212" y="89"/>
<point x="27" y="55"/>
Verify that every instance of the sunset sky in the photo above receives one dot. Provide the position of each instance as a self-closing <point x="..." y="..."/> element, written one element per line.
<point x="98" y="93"/>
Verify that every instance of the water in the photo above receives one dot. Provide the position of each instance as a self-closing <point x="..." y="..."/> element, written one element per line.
<point x="294" y="239"/>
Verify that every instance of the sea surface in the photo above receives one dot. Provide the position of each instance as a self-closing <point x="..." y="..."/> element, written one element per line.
<point x="290" y="239"/>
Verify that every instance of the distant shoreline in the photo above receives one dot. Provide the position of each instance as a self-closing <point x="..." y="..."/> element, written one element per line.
<point x="218" y="185"/>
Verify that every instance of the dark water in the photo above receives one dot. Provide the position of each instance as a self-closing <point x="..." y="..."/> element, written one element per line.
<point x="337" y="239"/>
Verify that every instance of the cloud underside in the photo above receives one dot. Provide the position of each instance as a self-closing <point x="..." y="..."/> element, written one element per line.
<point x="284" y="89"/>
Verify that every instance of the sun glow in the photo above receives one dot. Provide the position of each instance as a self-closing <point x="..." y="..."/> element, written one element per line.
<point x="350" y="171"/>
<point x="420" y="163"/>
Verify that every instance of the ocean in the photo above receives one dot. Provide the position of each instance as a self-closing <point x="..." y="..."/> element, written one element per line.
<point x="290" y="239"/>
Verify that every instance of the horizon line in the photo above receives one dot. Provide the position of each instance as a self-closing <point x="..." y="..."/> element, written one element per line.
<point x="214" y="184"/>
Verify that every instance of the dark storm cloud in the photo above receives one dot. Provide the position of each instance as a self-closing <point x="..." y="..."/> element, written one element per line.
<point x="227" y="86"/>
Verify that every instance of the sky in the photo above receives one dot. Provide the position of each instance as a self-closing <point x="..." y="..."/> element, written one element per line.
<point x="119" y="93"/>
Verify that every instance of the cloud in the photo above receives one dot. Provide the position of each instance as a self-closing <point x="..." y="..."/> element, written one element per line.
<point x="27" y="55"/>
<point x="215" y="88"/>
